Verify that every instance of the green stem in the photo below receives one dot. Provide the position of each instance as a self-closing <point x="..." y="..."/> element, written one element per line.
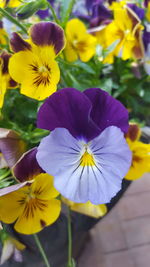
<point x="12" y="19"/>
<point x="69" y="264"/>
<point x="5" y="174"/>
<point x="53" y="13"/>
<point x="38" y="243"/>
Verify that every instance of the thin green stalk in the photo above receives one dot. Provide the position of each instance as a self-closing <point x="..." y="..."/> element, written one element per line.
<point x="38" y="243"/>
<point x="12" y="19"/>
<point x="53" y="13"/>
<point x="70" y="260"/>
<point x="68" y="12"/>
<point x="5" y="174"/>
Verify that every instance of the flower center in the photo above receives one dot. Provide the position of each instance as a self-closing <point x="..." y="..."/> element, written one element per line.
<point x="87" y="159"/>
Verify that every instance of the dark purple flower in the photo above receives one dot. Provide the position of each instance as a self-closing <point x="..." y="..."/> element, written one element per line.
<point x="86" y="151"/>
<point x="137" y="10"/>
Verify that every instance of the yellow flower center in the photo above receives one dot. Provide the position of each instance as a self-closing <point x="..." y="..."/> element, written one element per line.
<point x="87" y="159"/>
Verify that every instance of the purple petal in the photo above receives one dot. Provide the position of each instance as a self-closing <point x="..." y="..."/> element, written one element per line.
<point x="146" y="38"/>
<point x="43" y="13"/>
<point x="48" y="33"/>
<point x="70" y="109"/>
<point x="18" y="44"/>
<point x="27" y="167"/>
<point x="11" y="146"/>
<point x="99" y="14"/>
<point x="12" y="188"/>
<point x="106" y="110"/>
<point x="137" y="10"/>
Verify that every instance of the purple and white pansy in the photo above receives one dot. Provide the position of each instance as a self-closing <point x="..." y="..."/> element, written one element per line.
<point x="86" y="151"/>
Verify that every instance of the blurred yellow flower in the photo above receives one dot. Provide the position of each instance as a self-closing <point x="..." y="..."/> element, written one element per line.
<point x="80" y="44"/>
<point x="88" y="209"/>
<point x="121" y="37"/>
<point x="10" y="3"/>
<point x="140" y="154"/>
<point x="31" y="207"/>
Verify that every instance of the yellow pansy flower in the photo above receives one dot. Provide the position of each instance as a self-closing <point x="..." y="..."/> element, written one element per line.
<point x="31" y="207"/>
<point x="140" y="154"/>
<point x="10" y="3"/>
<point x="88" y="209"/>
<point x="122" y="37"/>
<point x="80" y="44"/>
<point x="33" y="65"/>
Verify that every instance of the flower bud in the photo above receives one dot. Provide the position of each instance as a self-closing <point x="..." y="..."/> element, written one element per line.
<point x="27" y="10"/>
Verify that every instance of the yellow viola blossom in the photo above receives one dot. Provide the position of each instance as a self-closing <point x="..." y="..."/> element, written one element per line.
<point x="6" y="81"/>
<point x="80" y="44"/>
<point x="140" y="154"/>
<point x="88" y="209"/>
<point x="33" y="65"/>
<point x="121" y="37"/>
<point x="31" y="207"/>
<point x="9" y="3"/>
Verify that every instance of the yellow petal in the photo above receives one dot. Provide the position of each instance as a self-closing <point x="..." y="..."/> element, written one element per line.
<point x="39" y="218"/>
<point x="90" y="209"/>
<point x="70" y="52"/>
<point x="43" y="187"/>
<point x="75" y="29"/>
<point x="10" y="207"/>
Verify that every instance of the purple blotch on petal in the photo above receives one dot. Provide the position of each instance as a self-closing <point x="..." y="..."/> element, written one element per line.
<point x="5" y="58"/>
<point x="106" y="110"/>
<point x="27" y="167"/>
<point x="48" y="33"/>
<point x="18" y="44"/>
<point x="68" y="108"/>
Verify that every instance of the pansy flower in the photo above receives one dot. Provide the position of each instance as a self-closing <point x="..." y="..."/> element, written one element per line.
<point x="33" y="65"/>
<point x="86" y="151"/>
<point x="32" y="204"/>
<point x="140" y="154"/>
<point x="123" y="36"/>
<point x="6" y="82"/>
<point x="80" y="44"/>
